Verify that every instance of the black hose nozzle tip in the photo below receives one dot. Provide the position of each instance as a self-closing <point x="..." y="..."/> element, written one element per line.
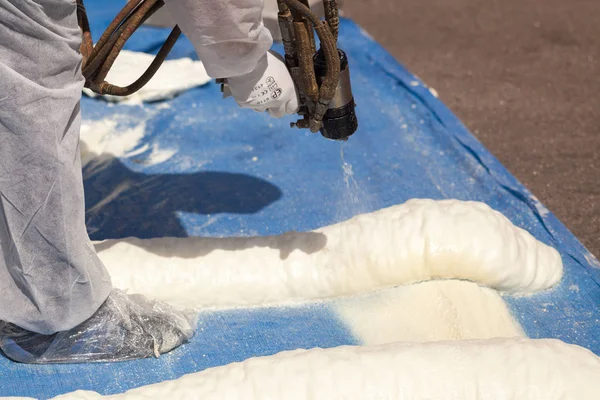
<point x="340" y="123"/>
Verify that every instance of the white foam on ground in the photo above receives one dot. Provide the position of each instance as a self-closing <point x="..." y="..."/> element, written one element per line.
<point x="495" y="369"/>
<point x="428" y="311"/>
<point x="420" y="240"/>
<point x="104" y="139"/>
<point x="160" y="155"/>
<point x="109" y="138"/>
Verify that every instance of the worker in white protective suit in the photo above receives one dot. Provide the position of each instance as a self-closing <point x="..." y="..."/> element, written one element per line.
<point x="57" y="303"/>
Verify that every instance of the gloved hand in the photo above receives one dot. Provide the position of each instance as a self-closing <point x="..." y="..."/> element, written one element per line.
<point x="269" y="87"/>
<point x="126" y="327"/>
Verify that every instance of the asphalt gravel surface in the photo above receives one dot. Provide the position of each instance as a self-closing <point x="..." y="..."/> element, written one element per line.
<point x="523" y="75"/>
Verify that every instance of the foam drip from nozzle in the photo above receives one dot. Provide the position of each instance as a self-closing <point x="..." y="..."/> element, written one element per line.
<point x="356" y="199"/>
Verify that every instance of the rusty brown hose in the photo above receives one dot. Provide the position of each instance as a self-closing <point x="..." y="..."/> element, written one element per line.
<point x="329" y="46"/>
<point x="332" y="16"/>
<point x="98" y="59"/>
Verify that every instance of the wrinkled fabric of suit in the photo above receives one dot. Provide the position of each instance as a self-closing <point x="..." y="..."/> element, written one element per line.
<point x="50" y="277"/>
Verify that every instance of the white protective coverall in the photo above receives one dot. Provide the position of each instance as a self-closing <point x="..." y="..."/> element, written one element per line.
<point x="50" y="277"/>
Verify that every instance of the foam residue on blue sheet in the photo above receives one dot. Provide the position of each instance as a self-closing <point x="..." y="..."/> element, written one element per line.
<point x="221" y="338"/>
<point x="236" y="172"/>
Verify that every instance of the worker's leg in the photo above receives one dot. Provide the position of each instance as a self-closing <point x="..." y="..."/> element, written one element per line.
<point x="50" y="277"/>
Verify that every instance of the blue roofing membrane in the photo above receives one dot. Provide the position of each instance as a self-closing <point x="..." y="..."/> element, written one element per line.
<point x="236" y="172"/>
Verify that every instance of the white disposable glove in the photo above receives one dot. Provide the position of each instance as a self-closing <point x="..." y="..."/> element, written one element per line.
<point x="269" y="87"/>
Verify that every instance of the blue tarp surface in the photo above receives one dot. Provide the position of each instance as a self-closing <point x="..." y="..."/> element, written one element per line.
<point x="237" y="172"/>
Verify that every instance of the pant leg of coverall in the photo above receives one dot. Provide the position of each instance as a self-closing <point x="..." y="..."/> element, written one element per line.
<point x="50" y="277"/>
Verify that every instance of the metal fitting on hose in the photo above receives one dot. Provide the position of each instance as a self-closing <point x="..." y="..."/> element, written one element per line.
<point x="339" y="121"/>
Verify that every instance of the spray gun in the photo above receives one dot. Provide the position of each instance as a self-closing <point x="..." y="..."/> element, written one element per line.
<point x="322" y="77"/>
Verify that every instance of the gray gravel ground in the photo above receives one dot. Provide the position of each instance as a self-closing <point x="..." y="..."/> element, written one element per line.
<point x="523" y="75"/>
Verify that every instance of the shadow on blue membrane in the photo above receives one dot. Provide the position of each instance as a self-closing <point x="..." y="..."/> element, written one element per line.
<point x="147" y="204"/>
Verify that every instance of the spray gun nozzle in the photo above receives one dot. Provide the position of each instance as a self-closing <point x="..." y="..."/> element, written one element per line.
<point x="339" y="122"/>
